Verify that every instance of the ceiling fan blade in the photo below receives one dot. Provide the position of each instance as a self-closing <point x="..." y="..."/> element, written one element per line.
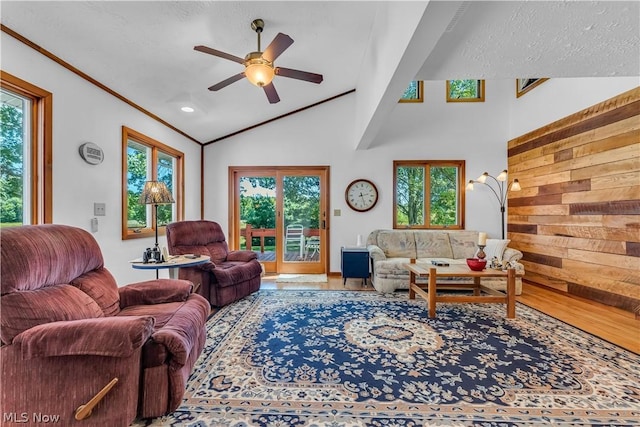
<point x="227" y="82"/>
<point x="278" y="45"/>
<point x="272" y="95"/>
<point x="297" y="74"/>
<point x="219" y="54"/>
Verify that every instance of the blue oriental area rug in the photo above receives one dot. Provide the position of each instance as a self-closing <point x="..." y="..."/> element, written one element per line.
<point x="341" y="359"/>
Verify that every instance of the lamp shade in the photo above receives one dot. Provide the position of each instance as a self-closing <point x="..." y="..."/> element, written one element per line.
<point x="157" y="193"/>
<point x="515" y="185"/>
<point x="259" y="72"/>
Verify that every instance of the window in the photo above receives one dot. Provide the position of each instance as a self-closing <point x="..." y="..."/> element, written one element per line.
<point x="144" y="159"/>
<point x="414" y="92"/>
<point x="525" y="85"/>
<point x="428" y="194"/>
<point x="25" y="153"/>
<point x="465" y="90"/>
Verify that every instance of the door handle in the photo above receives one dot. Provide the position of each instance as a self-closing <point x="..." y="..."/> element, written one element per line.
<point x="324" y="224"/>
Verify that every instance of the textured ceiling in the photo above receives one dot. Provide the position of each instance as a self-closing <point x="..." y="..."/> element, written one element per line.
<point x="538" y="39"/>
<point x="144" y="50"/>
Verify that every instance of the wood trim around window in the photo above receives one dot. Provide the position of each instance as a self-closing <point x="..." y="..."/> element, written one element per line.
<point x="536" y="83"/>
<point x="420" y="97"/>
<point x="460" y="164"/>
<point x="479" y="99"/>
<point x="155" y="146"/>
<point x="41" y="191"/>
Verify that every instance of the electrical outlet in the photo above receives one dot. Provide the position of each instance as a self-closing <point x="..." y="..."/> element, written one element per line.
<point x="337" y="212"/>
<point x="99" y="209"/>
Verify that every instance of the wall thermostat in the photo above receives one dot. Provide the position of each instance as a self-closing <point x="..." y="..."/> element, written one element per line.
<point x="91" y="153"/>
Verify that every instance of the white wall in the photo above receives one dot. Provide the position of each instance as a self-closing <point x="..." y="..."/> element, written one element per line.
<point x="475" y="132"/>
<point x="82" y="112"/>
<point x="558" y="98"/>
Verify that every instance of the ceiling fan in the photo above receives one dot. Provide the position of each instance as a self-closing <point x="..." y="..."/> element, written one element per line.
<point x="259" y="68"/>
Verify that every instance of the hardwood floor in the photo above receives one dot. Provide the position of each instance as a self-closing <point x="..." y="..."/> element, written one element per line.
<point x="611" y="324"/>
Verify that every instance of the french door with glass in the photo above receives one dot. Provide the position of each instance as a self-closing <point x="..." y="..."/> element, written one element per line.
<point x="281" y="214"/>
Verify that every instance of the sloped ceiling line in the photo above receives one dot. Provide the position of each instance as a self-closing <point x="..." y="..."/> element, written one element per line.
<point x="91" y="80"/>
<point x="281" y="116"/>
<point x="406" y="34"/>
<point x="112" y="92"/>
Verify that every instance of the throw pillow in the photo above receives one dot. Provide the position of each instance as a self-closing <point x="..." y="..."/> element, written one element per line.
<point x="495" y="248"/>
<point x="433" y="244"/>
<point x="463" y="243"/>
<point x="397" y="244"/>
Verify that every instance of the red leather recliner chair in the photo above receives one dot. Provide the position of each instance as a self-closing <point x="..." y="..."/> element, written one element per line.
<point x="230" y="276"/>
<point x="68" y="331"/>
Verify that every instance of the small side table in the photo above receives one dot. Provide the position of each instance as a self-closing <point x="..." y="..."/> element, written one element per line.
<point x="174" y="264"/>
<point x="354" y="263"/>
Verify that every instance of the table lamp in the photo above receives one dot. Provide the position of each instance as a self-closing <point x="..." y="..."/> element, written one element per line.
<point x="156" y="193"/>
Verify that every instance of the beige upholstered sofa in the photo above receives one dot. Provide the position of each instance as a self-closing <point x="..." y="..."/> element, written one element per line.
<point x="390" y="249"/>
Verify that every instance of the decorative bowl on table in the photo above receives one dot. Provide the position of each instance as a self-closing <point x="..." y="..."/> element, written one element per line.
<point x="476" y="264"/>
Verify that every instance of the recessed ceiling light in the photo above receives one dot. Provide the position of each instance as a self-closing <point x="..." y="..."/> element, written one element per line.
<point x="187" y="109"/>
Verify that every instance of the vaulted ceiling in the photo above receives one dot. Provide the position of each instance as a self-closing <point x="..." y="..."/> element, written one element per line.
<point x="144" y="50"/>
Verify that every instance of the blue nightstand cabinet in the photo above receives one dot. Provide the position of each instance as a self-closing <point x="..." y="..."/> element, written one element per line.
<point x="354" y="263"/>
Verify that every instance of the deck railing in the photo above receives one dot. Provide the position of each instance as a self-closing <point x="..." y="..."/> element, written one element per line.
<point x="249" y="232"/>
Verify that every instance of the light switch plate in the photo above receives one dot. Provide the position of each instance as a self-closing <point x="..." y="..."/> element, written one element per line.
<point x="337" y="212"/>
<point x="99" y="209"/>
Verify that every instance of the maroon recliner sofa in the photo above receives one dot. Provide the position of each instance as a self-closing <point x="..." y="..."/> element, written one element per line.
<point x="229" y="276"/>
<point x="68" y="330"/>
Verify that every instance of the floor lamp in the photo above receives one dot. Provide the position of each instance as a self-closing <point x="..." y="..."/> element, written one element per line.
<point x="499" y="189"/>
<point x="156" y="193"/>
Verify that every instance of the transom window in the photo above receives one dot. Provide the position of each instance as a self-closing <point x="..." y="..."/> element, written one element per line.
<point x="414" y="92"/>
<point x="145" y="159"/>
<point x="465" y="90"/>
<point x="25" y="153"/>
<point x="428" y="194"/>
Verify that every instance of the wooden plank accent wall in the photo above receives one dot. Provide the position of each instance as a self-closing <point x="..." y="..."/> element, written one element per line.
<point x="577" y="218"/>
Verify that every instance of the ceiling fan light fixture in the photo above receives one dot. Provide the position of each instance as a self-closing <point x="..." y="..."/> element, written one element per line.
<point x="258" y="65"/>
<point x="258" y="71"/>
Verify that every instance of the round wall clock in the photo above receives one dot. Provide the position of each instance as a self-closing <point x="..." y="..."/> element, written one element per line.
<point x="361" y="195"/>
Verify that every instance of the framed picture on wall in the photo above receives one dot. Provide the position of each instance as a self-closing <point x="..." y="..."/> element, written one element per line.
<point x="525" y="85"/>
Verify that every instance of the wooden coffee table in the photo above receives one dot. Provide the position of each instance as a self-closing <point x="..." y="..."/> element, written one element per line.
<point x="461" y="270"/>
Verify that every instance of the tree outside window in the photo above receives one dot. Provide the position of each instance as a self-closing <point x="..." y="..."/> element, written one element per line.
<point x="465" y="90"/>
<point x="25" y="153"/>
<point x="428" y="194"/>
<point x="145" y="160"/>
<point x="14" y="161"/>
